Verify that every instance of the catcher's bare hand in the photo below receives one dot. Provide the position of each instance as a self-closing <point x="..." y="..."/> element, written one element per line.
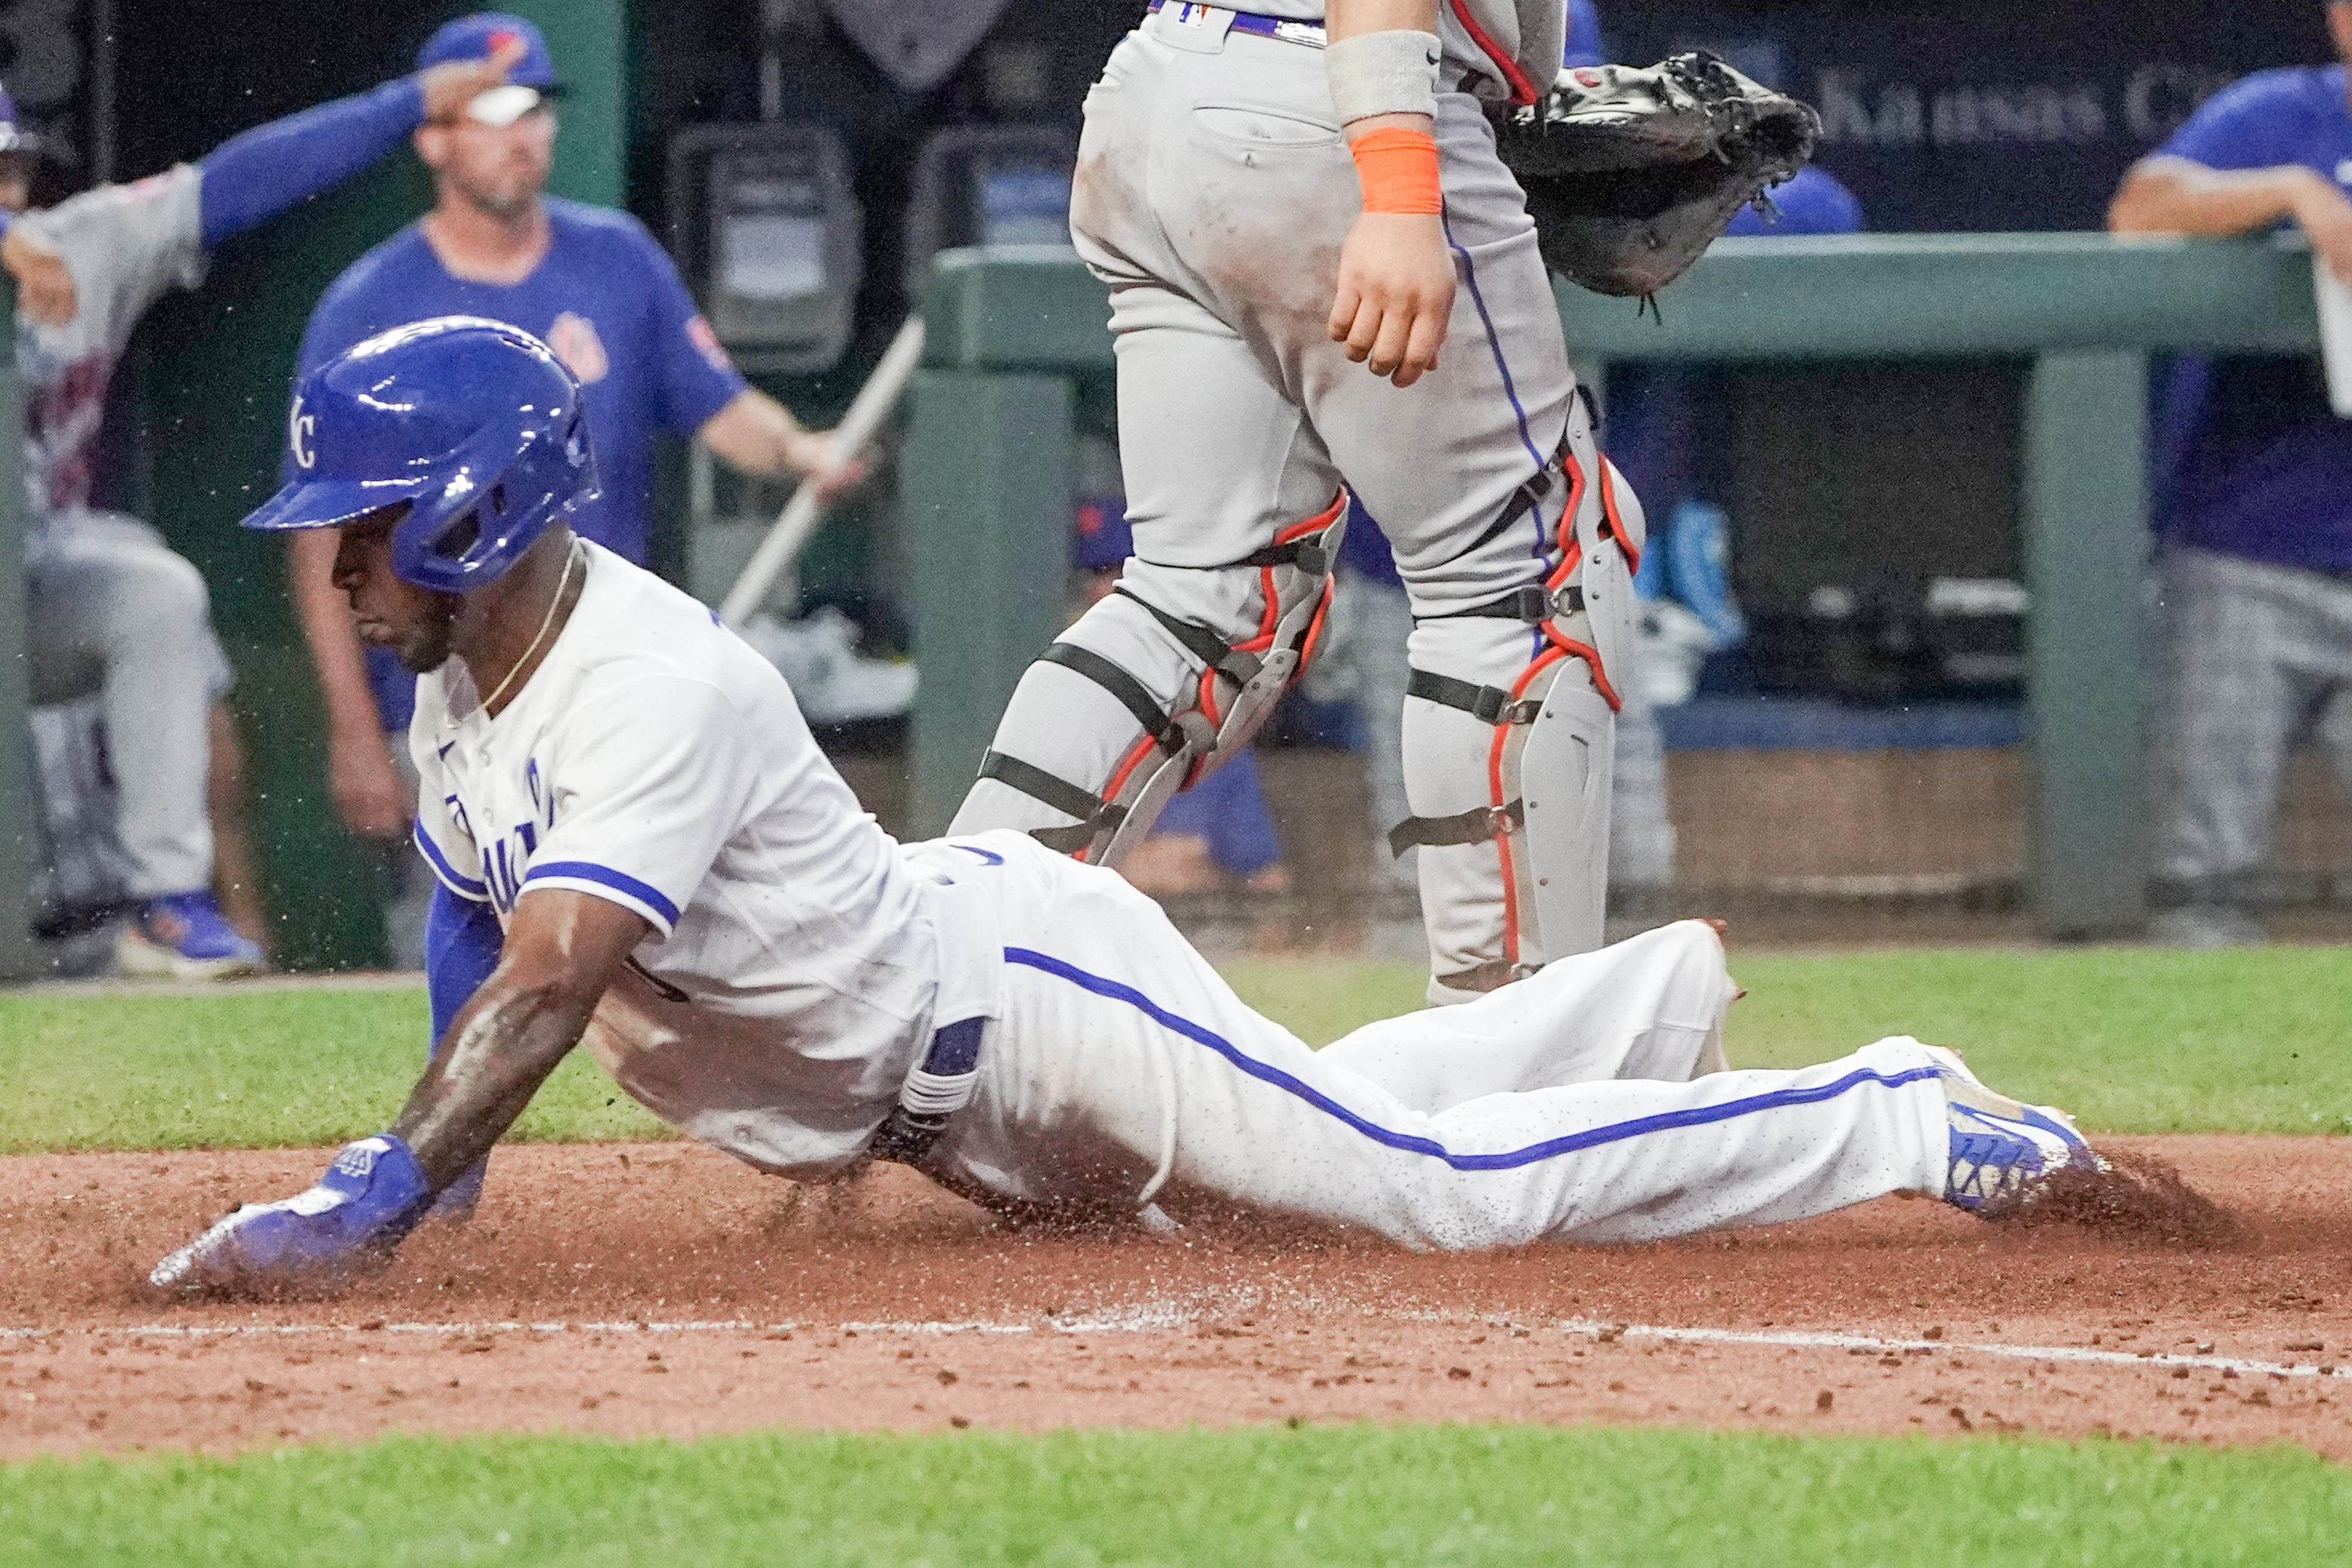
<point x="452" y="85"/>
<point x="45" y="289"/>
<point x="1395" y="294"/>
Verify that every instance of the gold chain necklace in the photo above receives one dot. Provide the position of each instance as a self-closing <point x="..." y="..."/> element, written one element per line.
<point x="548" y="620"/>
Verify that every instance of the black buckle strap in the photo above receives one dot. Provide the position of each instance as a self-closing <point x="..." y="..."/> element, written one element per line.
<point x="1489" y="705"/>
<point x="1094" y="814"/>
<point x="1204" y="643"/>
<point x="1069" y="841"/>
<point x="1131" y="692"/>
<point x="1530" y="602"/>
<point x="1491" y="975"/>
<point x="1309" y="555"/>
<point x="1531" y="490"/>
<point x="1474" y="826"/>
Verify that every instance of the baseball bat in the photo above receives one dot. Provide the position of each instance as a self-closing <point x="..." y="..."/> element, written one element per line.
<point x="801" y="514"/>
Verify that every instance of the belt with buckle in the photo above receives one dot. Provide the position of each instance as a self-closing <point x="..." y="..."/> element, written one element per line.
<point x="1283" y="30"/>
<point x="936" y="1090"/>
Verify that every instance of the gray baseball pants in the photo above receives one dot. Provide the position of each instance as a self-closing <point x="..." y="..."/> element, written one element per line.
<point x="115" y="612"/>
<point x="1212" y="193"/>
<point x="2251" y="658"/>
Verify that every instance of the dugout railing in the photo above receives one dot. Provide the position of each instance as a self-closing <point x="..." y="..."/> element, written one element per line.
<point x="986" y="478"/>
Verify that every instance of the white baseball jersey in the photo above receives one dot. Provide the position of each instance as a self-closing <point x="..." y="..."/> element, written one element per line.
<point x="126" y="247"/>
<point x="654" y="759"/>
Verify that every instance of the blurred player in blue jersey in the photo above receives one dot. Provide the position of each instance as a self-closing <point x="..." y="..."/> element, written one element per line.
<point x="114" y="611"/>
<point x="2254" y="475"/>
<point x="594" y="286"/>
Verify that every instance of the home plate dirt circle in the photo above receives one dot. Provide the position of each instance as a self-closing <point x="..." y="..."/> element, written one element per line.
<point x="662" y="1288"/>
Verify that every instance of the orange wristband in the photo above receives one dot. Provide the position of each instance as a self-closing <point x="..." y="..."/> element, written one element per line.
<point x="1399" y="168"/>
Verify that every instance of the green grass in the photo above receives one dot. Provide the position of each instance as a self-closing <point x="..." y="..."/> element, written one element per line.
<point x="245" y="1069"/>
<point x="2131" y="1040"/>
<point x="1341" y="1495"/>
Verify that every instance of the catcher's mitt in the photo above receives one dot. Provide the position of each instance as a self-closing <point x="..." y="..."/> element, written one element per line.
<point x="1631" y="173"/>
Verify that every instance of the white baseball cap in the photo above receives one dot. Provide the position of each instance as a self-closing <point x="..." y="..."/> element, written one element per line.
<point x="503" y="106"/>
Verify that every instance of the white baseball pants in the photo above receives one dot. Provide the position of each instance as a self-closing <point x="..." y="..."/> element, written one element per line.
<point x="1582" y="1103"/>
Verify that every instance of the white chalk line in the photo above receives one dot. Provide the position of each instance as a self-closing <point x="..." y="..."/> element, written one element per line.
<point x="1792" y="1339"/>
<point x="1170" y="1318"/>
<point x="1125" y="1323"/>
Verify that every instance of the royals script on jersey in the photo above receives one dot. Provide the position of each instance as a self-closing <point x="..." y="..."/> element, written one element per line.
<point x="655" y="760"/>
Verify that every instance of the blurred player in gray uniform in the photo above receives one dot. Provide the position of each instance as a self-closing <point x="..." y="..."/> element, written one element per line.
<point x="1297" y="210"/>
<point x="113" y="609"/>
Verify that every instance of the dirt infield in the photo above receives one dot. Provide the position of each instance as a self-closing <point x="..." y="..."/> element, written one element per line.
<point x="662" y="1288"/>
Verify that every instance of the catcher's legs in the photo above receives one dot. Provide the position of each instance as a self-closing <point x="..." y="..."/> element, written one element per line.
<point x="1156" y="685"/>
<point x="1509" y="741"/>
<point x="1515" y="541"/>
<point x="1213" y="204"/>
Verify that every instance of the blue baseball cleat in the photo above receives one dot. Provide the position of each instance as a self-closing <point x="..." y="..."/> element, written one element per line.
<point x="2001" y="1149"/>
<point x="182" y="936"/>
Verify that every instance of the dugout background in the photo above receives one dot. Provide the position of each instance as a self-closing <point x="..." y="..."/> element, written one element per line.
<point x="1991" y="115"/>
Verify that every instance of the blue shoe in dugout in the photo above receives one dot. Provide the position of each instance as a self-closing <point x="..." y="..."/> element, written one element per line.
<point x="182" y="936"/>
<point x="1697" y="568"/>
<point x="2001" y="1149"/>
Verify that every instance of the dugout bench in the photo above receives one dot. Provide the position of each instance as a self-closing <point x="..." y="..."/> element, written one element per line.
<point x="986" y="470"/>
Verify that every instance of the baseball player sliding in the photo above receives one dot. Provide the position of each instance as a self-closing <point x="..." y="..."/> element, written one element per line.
<point x="639" y="847"/>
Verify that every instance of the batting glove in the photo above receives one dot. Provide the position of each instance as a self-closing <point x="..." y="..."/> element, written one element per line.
<point x="372" y="1196"/>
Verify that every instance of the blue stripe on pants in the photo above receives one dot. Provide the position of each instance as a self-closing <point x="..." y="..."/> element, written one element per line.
<point x="1591" y="1138"/>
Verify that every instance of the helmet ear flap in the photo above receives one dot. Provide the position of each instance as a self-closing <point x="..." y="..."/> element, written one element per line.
<point x="457" y="537"/>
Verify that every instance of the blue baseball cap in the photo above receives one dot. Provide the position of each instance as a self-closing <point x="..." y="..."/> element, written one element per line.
<point x="14" y="135"/>
<point x="477" y="36"/>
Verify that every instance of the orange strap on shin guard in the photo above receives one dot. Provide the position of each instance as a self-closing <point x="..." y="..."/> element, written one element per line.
<point x="1398" y="171"/>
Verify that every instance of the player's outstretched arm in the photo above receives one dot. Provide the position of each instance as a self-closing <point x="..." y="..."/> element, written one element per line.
<point x="2167" y="194"/>
<point x="561" y="951"/>
<point x="253" y="176"/>
<point x="1394" y="292"/>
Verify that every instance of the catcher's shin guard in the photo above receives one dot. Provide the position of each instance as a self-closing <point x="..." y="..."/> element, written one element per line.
<point x="1509" y="746"/>
<point x="1162" y="697"/>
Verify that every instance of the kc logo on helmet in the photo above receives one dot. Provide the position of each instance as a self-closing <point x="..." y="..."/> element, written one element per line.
<point x="301" y="428"/>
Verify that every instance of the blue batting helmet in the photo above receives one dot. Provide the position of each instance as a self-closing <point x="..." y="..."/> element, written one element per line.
<point x="475" y="424"/>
